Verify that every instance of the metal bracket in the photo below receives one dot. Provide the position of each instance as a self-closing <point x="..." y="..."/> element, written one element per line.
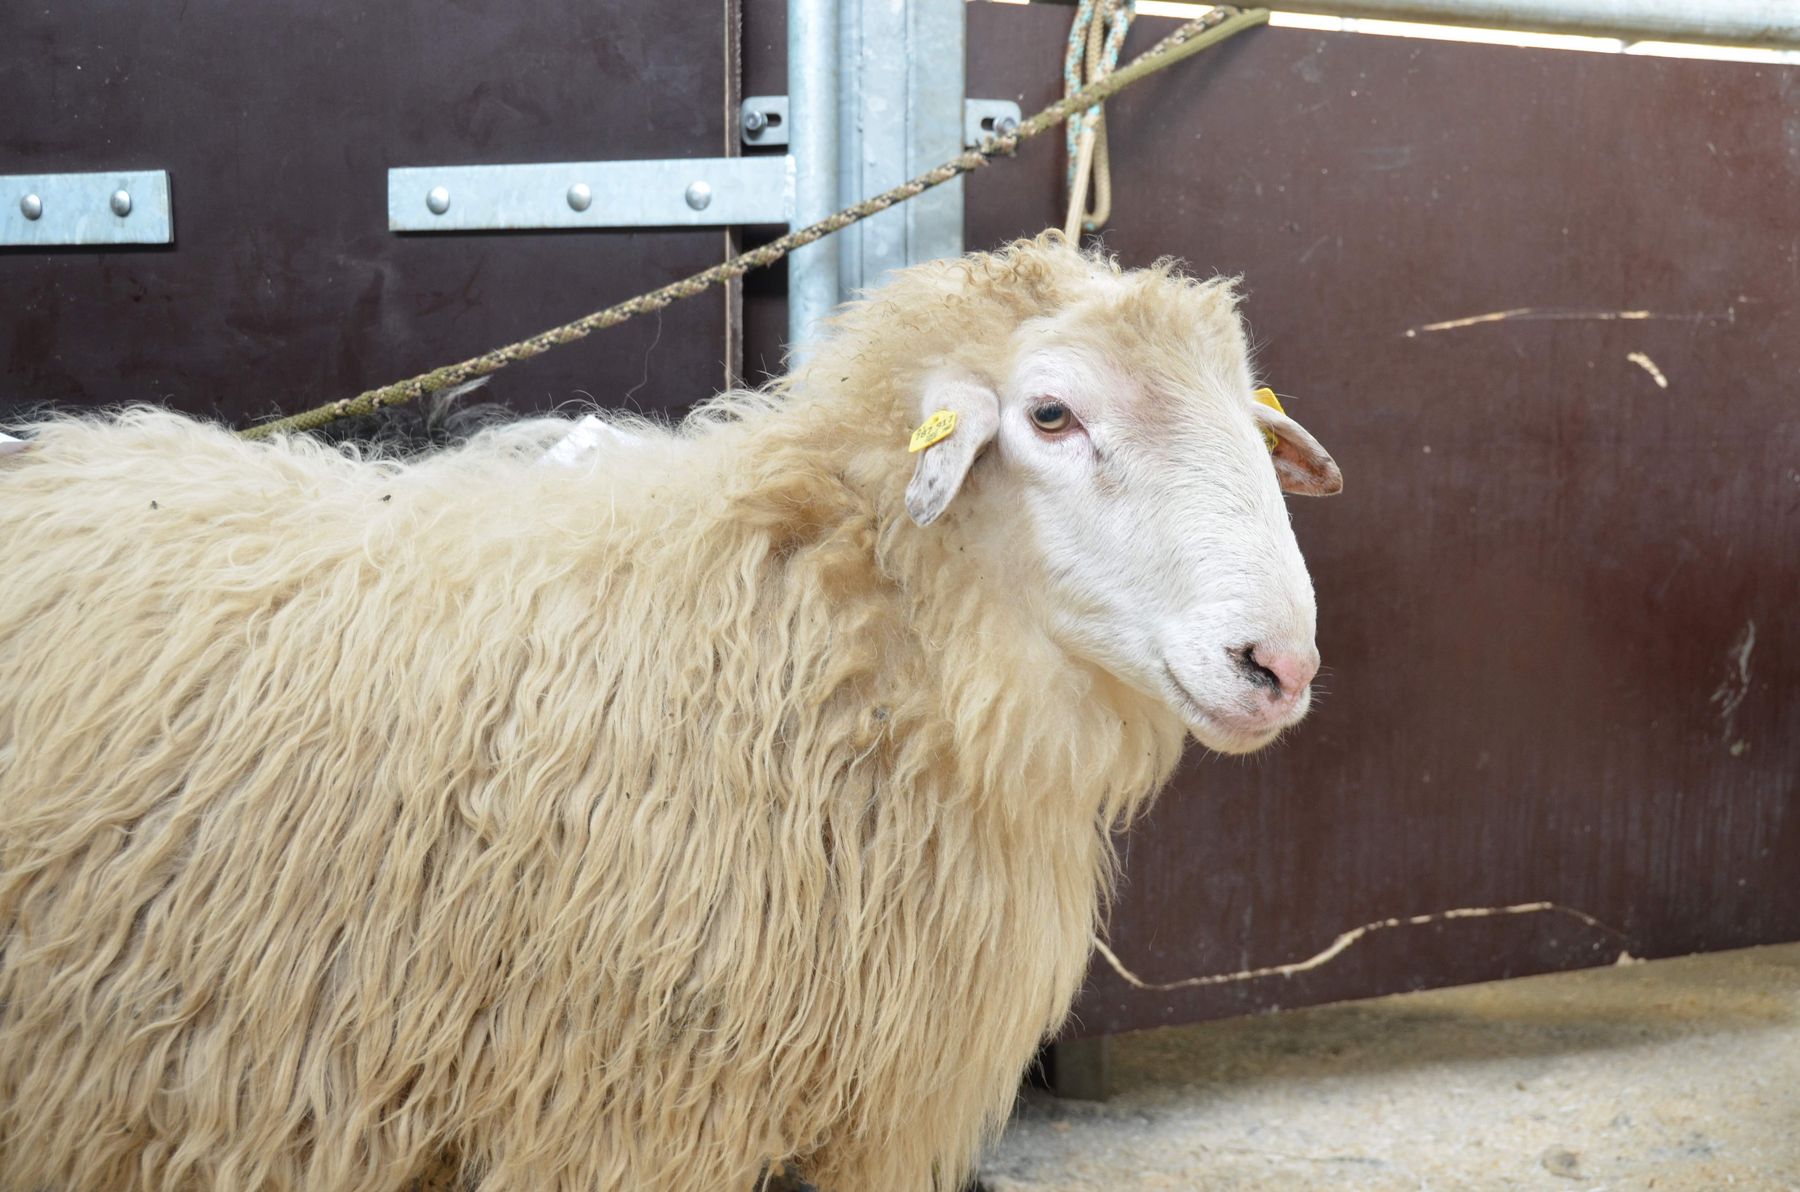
<point x="673" y="192"/>
<point x="120" y="207"/>
<point x="984" y="118"/>
<point x="764" y="120"/>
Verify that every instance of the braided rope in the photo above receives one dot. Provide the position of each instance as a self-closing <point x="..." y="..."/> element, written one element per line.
<point x="1072" y="81"/>
<point x="1203" y="31"/>
<point x="1095" y="38"/>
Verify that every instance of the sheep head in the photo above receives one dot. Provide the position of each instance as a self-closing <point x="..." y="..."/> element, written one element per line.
<point x="1112" y="443"/>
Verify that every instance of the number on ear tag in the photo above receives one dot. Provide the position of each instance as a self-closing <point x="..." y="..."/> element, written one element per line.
<point x="934" y="429"/>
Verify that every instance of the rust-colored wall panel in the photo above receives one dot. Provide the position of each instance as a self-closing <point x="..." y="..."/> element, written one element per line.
<point x="277" y="122"/>
<point x="1540" y="682"/>
<point x="1537" y="590"/>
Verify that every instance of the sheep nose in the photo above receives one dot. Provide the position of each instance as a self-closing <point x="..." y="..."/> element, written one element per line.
<point x="1284" y="674"/>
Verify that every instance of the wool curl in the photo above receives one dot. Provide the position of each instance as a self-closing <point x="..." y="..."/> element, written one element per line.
<point x="637" y="825"/>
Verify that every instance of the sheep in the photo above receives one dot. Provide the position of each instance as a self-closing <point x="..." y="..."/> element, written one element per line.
<point x="584" y="439"/>
<point x="739" y="796"/>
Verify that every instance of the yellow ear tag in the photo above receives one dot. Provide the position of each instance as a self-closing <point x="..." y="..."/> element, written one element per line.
<point x="934" y="429"/>
<point x="1267" y="397"/>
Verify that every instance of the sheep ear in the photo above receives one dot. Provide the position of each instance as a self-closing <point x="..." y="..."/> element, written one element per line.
<point x="1303" y="467"/>
<point x="944" y="460"/>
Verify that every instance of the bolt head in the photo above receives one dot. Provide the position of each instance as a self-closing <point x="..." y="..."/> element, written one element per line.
<point x="754" y="121"/>
<point x="437" y="200"/>
<point x="699" y="195"/>
<point x="580" y="197"/>
<point x="1006" y="126"/>
<point x="31" y="206"/>
<point x="121" y="203"/>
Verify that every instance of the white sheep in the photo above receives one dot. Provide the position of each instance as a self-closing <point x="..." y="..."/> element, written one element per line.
<point x="635" y="825"/>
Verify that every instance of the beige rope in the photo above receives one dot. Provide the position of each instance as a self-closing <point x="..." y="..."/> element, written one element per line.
<point x="1199" y="33"/>
<point x="1091" y="141"/>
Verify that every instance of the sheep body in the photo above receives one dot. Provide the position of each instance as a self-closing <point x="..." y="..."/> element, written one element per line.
<point x="628" y="825"/>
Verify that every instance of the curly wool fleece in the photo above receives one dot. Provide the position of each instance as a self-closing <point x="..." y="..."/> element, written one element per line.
<point x="631" y="826"/>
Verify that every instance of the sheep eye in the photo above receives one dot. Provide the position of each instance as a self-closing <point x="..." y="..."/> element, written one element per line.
<point x="1051" y="416"/>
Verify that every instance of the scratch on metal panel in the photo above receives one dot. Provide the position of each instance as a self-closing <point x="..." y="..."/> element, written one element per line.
<point x="1731" y="692"/>
<point x="1345" y="940"/>
<point x="1533" y="314"/>
<point x="1644" y="362"/>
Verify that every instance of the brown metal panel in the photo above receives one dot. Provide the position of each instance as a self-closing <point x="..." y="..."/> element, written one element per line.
<point x="277" y="121"/>
<point x="1537" y="589"/>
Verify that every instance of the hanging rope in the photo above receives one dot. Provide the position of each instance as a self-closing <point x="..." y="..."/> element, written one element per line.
<point x="1203" y="31"/>
<point x="1095" y="40"/>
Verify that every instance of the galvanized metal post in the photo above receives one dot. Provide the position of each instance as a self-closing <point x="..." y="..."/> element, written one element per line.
<point x="901" y="112"/>
<point x="812" y="44"/>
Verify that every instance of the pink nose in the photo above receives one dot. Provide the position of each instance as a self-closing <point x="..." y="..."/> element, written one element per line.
<point x="1284" y="673"/>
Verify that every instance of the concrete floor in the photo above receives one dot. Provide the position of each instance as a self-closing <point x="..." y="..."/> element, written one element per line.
<point x="1673" y="1075"/>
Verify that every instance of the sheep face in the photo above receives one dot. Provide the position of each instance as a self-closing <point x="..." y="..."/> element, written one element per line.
<point x="1124" y="438"/>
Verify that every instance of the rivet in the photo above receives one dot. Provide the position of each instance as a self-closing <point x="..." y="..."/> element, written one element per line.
<point x="1007" y="126"/>
<point x="580" y="197"/>
<point x="438" y="200"/>
<point x="754" y="121"/>
<point x="121" y="203"/>
<point x="31" y="206"/>
<point x="699" y="194"/>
